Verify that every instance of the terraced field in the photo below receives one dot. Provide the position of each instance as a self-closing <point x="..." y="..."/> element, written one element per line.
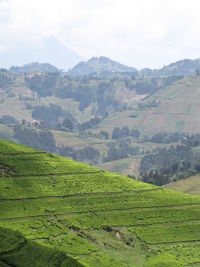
<point x="175" y="108"/>
<point x="57" y="212"/>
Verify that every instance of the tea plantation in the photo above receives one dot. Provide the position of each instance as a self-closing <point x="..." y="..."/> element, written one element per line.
<point x="57" y="212"/>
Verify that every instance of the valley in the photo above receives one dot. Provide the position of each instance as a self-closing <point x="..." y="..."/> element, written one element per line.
<point x="101" y="112"/>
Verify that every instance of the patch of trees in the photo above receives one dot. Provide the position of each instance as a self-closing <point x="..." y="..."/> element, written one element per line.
<point x="145" y="85"/>
<point x="68" y="152"/>
<point x="105" y="100"/>
<point x="120" y="150"/>
<point x="125" y="132"/>
<point x="82" y="93"/>
<point x="43" y="84"/>
<point x="7" y="119"/>
<point x="101" y="94"/>
<point x="89" y="124"/>
<point x="54" y="117"/>
<point x="42" y="140"/>
<point x="85" y="96"/>
<point x="167" y="138"/>
<point x="87" y="153"/>
<point x="104" y="134"/>
<point x="192" y="140"/>
<point x="165" y="165"/>
<point x="150" y="104"/>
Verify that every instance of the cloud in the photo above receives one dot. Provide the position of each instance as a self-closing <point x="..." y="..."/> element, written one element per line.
<point x="138" y="33"/>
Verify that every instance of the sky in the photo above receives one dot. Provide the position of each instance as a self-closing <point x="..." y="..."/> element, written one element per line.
<point x="142" y="33"/>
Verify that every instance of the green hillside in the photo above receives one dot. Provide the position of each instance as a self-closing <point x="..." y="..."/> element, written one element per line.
<point x="190" y="185"/>
<point x="175" y="108"/>
<point x="57" y="212"/>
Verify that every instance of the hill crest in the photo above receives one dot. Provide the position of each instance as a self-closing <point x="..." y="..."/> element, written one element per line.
<point x="99" y="64"/>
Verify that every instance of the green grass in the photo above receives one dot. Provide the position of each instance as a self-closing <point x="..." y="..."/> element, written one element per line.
<point x="16" y="250"/>
<point x="57" y="212"/>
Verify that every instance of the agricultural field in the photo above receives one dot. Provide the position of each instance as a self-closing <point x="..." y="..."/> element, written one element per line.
<point x="190" y="185"/>
<point x="57" y="212"/>
<point x="174" y="108"/>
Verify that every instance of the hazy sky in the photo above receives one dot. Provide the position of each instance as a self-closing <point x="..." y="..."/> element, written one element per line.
<point x="141" y="33"/>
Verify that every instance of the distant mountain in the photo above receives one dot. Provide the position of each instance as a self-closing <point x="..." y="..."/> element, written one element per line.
<point x="99" y="64"/>
<point x="52" y="51"/>
<point x="34" y="67"/>
<point x="185" y="67"/>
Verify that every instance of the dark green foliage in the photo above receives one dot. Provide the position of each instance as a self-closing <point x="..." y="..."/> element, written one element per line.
<point x="178" y="161"/>
<point x="116" y="133"/>
<point x="150" y="85"/>
<point x="68" y="152"/>
<point x="42" y="140"/>
<point x="125" y="132"/>
<point x="192" y="140"/>
<point x="68" y="124"/>
<point x="54" y="117"/>
<point x="135" y="133"/>
<point x="88" y="153"/>
<point x="167" y="138"/>
<point x="120" y="150"/>
<point x="105" y="100"/>
<point x="89" y="124"/>
<point x="84" y="96"/>
<point x="104" y="134"/>
<point x="16" y="250"/>
<point x="43" y="84"/>
<point x="7" y="119"/>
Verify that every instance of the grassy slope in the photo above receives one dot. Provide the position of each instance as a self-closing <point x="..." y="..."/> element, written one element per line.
<point x="190" y="185"/>
<point x="14" y="100"/>
<point x="178" y="110"/>
<point x="64" y="210"/>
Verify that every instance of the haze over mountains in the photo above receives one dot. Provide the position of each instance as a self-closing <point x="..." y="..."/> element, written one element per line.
<point x="51" y="51"/>
<point x="53" y="60"/>
<point x="100" y="112"/>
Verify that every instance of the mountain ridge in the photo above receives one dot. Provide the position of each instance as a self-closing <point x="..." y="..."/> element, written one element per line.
<point x="33" y="67"/>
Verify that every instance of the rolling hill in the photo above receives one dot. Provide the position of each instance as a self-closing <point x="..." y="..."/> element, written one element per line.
<point x="184" y="67"/>
<point x="33" y="67"/>
<point x="57" y="212"/>
<point x="174" y="108"/>
<point x="190" y="185"/>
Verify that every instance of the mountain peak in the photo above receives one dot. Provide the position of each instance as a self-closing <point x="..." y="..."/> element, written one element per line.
<point x="99" y="64"/>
